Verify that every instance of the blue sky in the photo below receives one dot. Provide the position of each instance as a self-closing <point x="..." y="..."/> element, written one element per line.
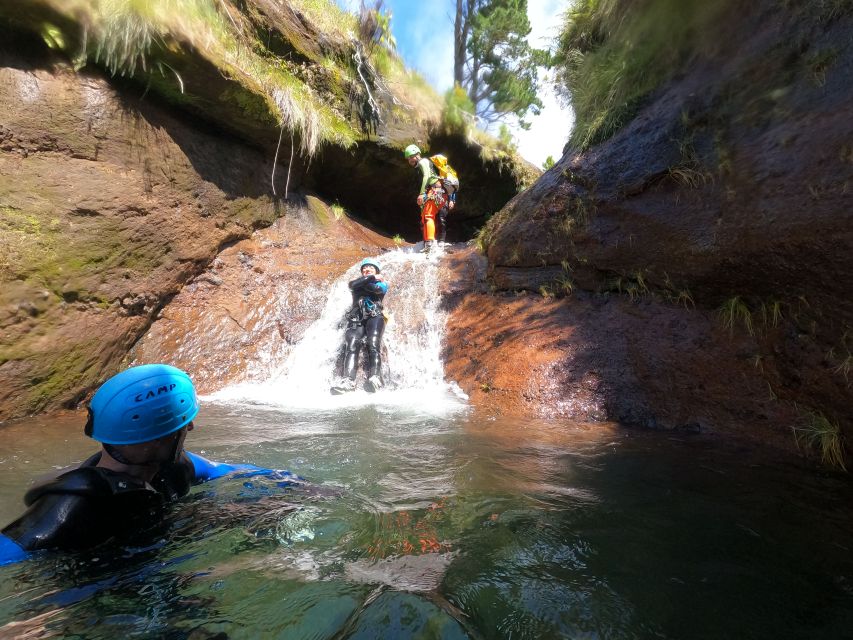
<point x="424" y="33"/>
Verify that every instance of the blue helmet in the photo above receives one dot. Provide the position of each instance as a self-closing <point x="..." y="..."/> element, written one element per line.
<point x="372" y="262"/>
<point x="142" y="404"/>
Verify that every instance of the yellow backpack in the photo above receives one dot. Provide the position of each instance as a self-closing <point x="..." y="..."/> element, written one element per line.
<point x="446" y="173"/>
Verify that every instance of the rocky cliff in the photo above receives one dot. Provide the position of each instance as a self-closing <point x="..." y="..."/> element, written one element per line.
<point x="704" y="248"/>
<point x="139" y="140"/>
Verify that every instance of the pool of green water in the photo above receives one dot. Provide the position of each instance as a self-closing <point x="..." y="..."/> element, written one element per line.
<point x="417" y="526"/>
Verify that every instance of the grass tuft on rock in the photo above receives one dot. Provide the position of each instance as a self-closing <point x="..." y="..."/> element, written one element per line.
<point x="817" y="433"/>
<point x="735" y="311"/>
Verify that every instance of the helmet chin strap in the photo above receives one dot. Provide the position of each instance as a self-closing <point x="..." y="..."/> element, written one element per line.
<point x="178" y="445"/>
<point x="116" y="455"/>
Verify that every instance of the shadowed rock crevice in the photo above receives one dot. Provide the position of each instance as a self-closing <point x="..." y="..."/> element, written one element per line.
<point x="373" y="181"/>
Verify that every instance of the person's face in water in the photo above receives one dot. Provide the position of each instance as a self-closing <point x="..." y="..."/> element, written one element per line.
<point x="157" y="452"/>
<point x="368" y="270"/>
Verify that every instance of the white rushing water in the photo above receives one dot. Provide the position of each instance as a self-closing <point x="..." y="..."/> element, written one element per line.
<point x="412" y="366"/>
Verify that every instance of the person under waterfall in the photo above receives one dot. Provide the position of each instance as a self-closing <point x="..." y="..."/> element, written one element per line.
<point x="141" y="417"/>
<point x="365" y="325"/>
<point x="433" y="198"/>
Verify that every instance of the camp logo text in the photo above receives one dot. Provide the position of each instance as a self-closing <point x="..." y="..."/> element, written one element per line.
<point x="151" y="393"/>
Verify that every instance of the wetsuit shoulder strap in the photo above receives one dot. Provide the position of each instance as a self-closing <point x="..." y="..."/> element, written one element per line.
<point x="174" y="480"/>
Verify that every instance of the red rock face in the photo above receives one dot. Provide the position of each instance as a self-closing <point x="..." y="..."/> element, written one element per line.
<point x="239" y="319"/>
<point x="731" y="186"/>
<point x="730" y="192"/>
<point x="108" y="206"/>
<point x="604" y="358"/>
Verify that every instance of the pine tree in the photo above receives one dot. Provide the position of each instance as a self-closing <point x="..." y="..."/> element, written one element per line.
<point x="493" y="61"/>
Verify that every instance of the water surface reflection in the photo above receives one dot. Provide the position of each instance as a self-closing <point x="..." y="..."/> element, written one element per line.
<point x="416" y="525"/>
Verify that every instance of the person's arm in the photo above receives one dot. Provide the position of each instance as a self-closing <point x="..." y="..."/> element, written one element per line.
<point x="368" y="284"/>
<point x="423" y="165"/>
<point x="205" y="469"/>
<point x="361" y="282"/>
<point x="11" y="551"/>
<point x="53" y="521"/>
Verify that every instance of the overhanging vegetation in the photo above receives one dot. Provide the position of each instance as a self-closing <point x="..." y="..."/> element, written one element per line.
<point x="291" y="64"/>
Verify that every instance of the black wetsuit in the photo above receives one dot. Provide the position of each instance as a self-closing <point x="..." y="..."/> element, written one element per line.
<point x="365" y="324"/>
<point x="87" y="506"/>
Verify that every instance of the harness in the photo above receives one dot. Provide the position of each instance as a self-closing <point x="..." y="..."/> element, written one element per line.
<point x="363" y="309"/>
<point x="366" y="303"/>
<point x="437" y="194"/>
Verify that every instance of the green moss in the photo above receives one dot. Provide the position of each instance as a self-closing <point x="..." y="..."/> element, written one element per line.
<point x="320" y="211"/>
<point x="62" y="372"/>
<point x="328" y="16"/>
<point x="252" y="214"/>
<point x="614" y="54"/>
<point x="71" y="263"/>
<point x="165" y="83"/>
<point x="489" y="231"/>
<point x="166" y="44"/>
<point x="384" y="61"/>
<point x="27" y="241"/>
<point x="81" y="257"/>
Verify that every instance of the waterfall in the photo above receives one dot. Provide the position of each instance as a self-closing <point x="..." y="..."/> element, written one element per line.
<point x="412" y="366"/>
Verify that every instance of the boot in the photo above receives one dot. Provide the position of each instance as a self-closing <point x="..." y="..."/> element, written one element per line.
<point x="344" y="386"/>
<point x="373" y="384"/>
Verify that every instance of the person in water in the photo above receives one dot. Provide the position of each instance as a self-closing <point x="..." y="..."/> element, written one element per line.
<point x="141" y="417"/>
<point x="432" y="197"/>
<point x="365" y="325"/>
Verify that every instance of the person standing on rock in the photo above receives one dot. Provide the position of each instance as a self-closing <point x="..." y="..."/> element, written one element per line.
<point x="365" y="325"/>
<point x="432" y="196"/>
<point x="141" y="417"/>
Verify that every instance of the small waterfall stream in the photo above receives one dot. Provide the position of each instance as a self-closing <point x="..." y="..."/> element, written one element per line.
<point x="412" y="366"/>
